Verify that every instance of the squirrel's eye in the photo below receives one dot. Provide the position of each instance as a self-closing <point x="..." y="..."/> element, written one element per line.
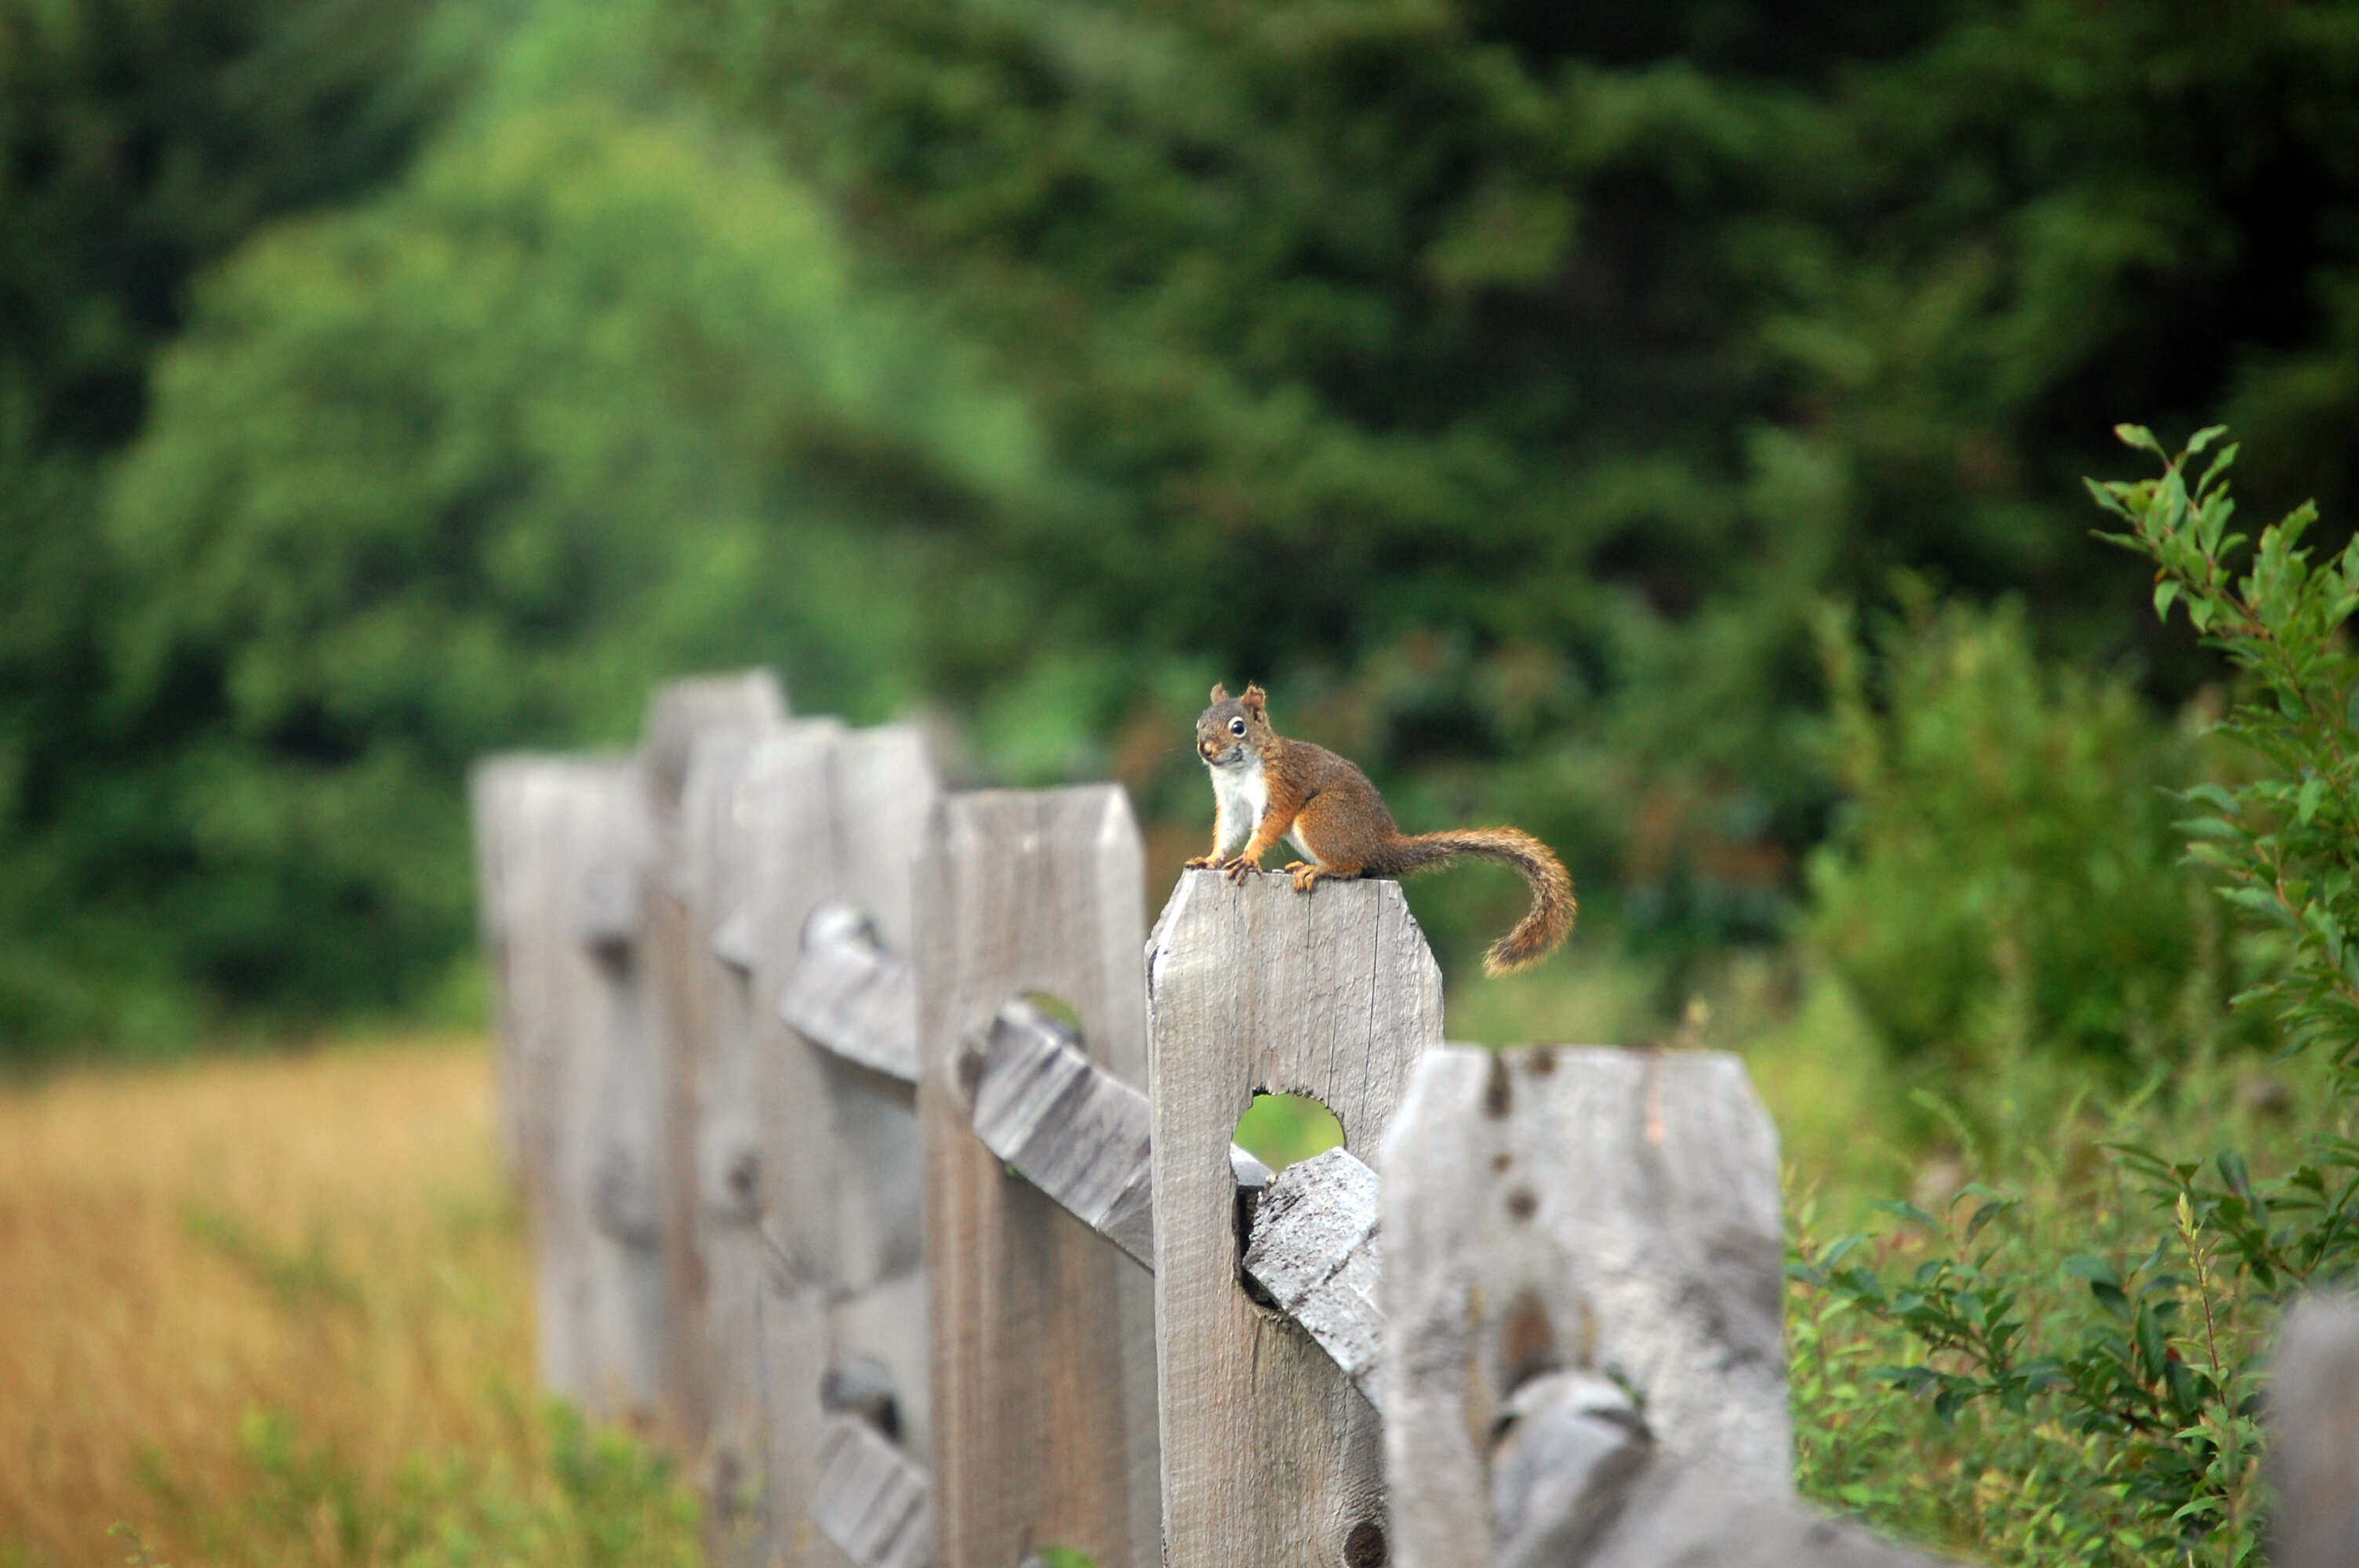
<point x="1236" y="726"/>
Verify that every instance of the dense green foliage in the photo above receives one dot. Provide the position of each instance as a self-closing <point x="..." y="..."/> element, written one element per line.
<point x="2118" y="1323"/>
<point x="140" y="140"/>
<point x="590" y="395"/>
<point x="2005" y="872"/>
<point x="1507" y="380"/>
<point x="1506" y="385"/>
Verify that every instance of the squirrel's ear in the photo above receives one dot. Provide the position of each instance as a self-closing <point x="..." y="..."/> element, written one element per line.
<point x="1257" y="701"/>
<point x="1220" y="692"/>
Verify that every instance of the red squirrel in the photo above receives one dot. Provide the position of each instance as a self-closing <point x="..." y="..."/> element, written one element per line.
<point x="1266" y="787"/>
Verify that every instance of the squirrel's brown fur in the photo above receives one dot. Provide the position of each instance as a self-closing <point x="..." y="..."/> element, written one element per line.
<point x="1327" y="808"/>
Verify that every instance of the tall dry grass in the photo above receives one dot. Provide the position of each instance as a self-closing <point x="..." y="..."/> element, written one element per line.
<point x="248" y="1307"/>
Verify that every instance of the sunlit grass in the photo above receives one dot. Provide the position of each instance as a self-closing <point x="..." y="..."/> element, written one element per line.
<point x="278" y="1310"/>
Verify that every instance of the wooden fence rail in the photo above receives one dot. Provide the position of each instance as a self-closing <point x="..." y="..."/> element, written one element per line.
<point x="881" y="1164"/>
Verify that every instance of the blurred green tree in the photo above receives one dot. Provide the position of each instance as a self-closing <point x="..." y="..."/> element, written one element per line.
<point x="140" y="140"/>
<point x="1506" y="383"/>
<point x="1507" y="380"/>
<point x="588" y="399"/>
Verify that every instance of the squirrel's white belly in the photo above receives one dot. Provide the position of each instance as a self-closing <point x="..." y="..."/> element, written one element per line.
<point x="1240" y="795"/>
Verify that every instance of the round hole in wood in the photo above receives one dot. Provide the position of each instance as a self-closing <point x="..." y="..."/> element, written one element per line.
<point x="1278" y="1129"/>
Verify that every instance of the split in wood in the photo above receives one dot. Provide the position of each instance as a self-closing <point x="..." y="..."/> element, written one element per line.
<point x="852" y="995"/>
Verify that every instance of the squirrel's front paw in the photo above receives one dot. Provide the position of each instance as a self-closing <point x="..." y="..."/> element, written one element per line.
<point x="1239" y="868"/>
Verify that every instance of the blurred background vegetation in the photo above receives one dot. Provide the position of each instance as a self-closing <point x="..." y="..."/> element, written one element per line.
<point x="1513" y="388"/>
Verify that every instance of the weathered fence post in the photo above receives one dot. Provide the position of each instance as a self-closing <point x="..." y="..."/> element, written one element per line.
<point x="1270" y="1455"/>
<point x="1584" y="1365"/>
<point x="721" y="857"/>
<point x="757" y="839"/>
<point x="1043" y="1331"/>
<point x="681" y="717"/>
<point x="2313" y="1464"/>
<point x="841" y="1307"/>
<point x="574" y="850"/>
<point x="501" y="793"/>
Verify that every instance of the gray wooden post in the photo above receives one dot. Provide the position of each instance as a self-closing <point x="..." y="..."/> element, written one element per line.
<point x="2313" y="1464"/>
<point x="681" y="716"/>
<point x="504" y="796"/>
<point x="1270" y="1455"/>
<point x="1580" y="1289"/>
<point x="841" y="1307"/>
<point x="719" y="854"/>
<point x="571" y="850"/>
<point x="1043" y="1333"/>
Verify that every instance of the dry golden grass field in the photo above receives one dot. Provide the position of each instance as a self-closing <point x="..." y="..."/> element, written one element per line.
<point x="276" y="1311"/>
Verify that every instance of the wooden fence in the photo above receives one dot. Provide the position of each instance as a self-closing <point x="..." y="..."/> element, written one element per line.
<point x="881" y="1163"/>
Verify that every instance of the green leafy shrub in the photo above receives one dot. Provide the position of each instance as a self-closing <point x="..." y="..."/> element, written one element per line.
<point x="2006" y="871"/>
<point x="2104" y="1339"/>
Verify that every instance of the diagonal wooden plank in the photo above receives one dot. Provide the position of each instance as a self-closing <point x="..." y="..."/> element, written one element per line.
<point x="852" y="995"/>
<point x="872" y="1500"/>
<point x="1314" y="1253"/>
<point x="1072" y="1129"/>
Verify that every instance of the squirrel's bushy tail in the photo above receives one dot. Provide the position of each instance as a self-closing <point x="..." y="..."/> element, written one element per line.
<point x="1544" y="927"/>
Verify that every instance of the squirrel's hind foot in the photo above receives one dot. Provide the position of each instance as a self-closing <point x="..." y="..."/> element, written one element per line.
<point x="1306" y="875"/>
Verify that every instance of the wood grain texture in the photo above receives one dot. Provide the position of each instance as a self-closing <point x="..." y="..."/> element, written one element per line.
<point x="683" y="717"/>
<point x="832" y="818"/>
<point x="872" y="1502"/>
<point x="1270" y="1455"/>
<point x="1551" y="1209"/>
<point x="2313" y="1414"/>
<point x="1069" y="1127"/>
<point x="1043" y="1333"/>
<point x="1314" y="1251"/>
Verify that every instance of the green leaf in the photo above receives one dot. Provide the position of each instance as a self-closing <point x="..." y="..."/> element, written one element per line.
<point x="2088" y="1266"/>
<point x="2140" y="438"/>
<point x="2165" y="592"/>
<point x="2204" y="438"/>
